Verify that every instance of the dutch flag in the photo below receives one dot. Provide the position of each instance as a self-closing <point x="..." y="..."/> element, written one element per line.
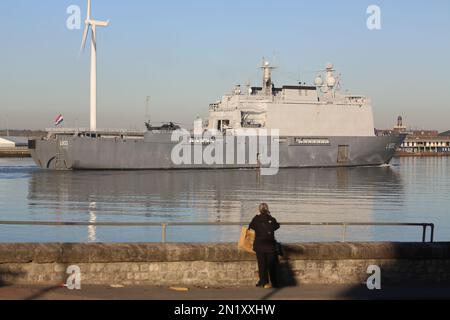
<point x="59" y="120"/>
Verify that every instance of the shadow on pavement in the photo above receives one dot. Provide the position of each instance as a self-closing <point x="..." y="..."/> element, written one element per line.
<point x="7" y="276"/>
<point x="285" y="277"/>
<point x="421" y="273"/>
<point x="7" y="279"/>
<point x="41" y="293"/>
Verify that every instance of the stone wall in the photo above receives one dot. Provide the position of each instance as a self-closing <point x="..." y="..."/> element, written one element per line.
<point x="221" y="264"/>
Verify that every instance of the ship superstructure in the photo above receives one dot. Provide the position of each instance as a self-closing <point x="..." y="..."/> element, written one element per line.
<point x="296" y="110"/>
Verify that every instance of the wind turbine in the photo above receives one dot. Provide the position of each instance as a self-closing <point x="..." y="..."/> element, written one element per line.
<point x="92" y="24"/>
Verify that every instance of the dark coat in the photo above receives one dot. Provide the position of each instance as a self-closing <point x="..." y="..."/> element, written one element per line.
<point x="265" y="226"/>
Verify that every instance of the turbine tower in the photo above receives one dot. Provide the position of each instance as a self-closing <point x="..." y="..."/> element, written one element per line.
<point x="92" y="25"/>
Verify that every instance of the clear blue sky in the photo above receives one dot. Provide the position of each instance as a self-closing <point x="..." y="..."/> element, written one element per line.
<point x="186" y="54"/>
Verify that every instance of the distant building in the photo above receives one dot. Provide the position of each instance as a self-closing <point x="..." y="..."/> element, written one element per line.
<point x="425" y="142"/>
<point x="420" y="142"/>
<point x="424" y="133"/>
<point x="399" y="127"/>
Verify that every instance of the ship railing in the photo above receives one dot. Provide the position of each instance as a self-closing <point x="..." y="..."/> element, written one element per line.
<point x="107" y="130"/>
<point x="165" y="225"/>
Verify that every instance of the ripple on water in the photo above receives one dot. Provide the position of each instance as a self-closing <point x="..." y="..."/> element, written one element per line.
<point x="408" y="190"/>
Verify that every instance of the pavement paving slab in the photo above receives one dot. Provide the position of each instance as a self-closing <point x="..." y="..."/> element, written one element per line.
<point x="306" y="292"/>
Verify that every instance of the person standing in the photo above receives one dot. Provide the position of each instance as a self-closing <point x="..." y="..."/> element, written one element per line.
<point x="265" y="226"/>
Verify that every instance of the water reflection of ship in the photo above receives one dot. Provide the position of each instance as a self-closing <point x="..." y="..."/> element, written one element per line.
<point x="334" y="194"/>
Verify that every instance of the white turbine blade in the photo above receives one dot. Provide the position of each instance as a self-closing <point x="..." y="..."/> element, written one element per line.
<point x="85" y="35"/>
<point x="104" y="23"/>
<point x="100" y="23"/>
<point x="89" y="10"/>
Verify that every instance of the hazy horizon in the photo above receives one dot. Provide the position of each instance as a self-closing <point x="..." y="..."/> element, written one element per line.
<point x="185" y="55"/>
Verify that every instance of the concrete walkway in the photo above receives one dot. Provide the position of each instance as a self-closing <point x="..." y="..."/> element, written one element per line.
<point x="307" y="292"/>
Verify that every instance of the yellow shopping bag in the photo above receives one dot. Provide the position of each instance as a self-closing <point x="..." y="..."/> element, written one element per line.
<point x="246" y="240"/>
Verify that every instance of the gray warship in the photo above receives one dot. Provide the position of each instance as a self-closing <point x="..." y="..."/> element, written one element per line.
<point x="317" y="125"/>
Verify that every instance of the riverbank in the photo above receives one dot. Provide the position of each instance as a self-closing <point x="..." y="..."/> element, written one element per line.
<point x="222" y="265"/>
<point x="15" y="153"/>
<point x="421" y="154"/>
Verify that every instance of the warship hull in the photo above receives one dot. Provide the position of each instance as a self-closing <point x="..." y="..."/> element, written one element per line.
<point x="155" y="152"/>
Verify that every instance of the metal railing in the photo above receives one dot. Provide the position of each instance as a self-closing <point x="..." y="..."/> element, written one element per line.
<point x="165" y="225"/>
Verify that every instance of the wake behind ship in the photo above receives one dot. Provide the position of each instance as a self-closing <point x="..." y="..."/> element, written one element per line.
<point x="317" y="126"/>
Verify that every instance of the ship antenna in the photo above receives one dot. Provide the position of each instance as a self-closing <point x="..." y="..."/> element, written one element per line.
<point x="267" y="77"/>
<point x="249" y="87"/>
<point x="147" y="108"/>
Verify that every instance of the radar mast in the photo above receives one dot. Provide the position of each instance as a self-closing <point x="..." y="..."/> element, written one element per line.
<point x="267" y="77"/>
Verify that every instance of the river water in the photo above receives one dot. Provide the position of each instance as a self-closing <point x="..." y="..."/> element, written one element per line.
<point x="409" y="190"/>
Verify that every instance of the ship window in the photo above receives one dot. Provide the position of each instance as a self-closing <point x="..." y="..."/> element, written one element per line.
<point x="31" y="144"/>
<point x="343" y="154"/>
<point x="223" y="124"/>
